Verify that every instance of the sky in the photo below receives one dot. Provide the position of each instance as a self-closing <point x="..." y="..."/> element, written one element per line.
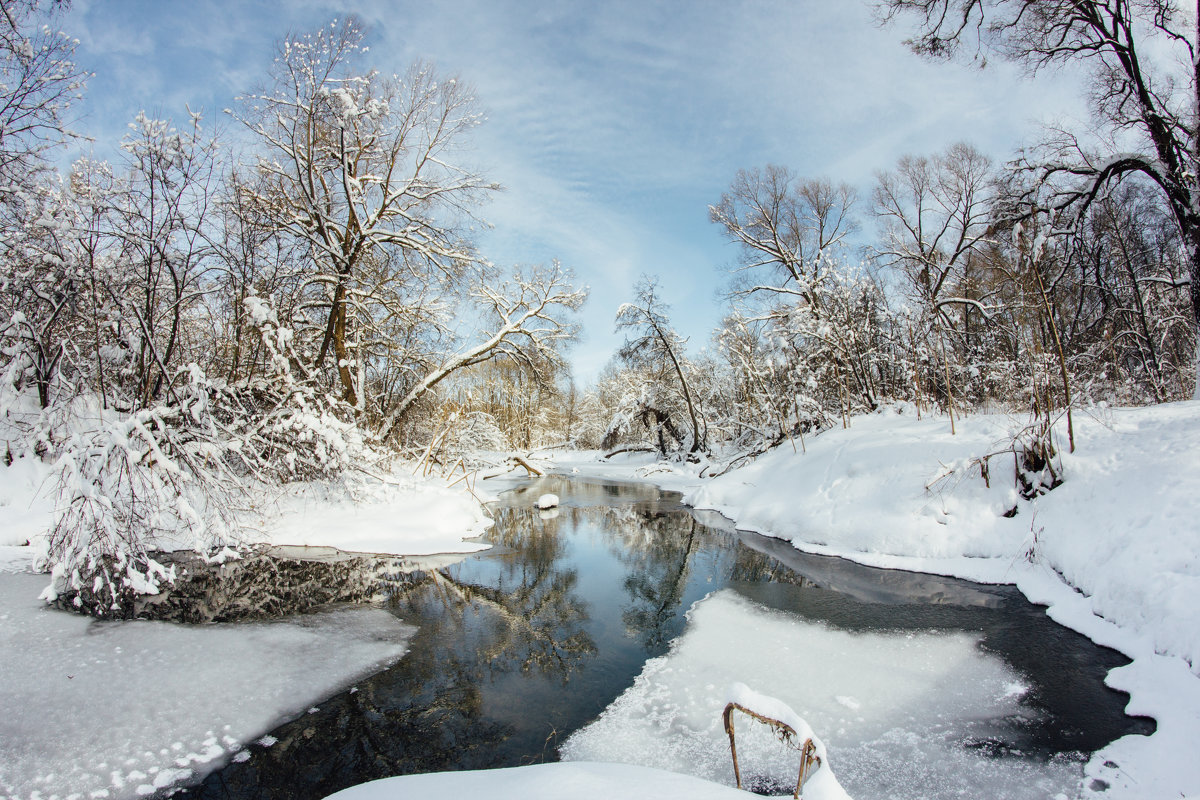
<point x="612" y="126"/>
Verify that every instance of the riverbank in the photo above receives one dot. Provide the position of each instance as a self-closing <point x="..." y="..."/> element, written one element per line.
<point x="128" y="709"/>
<point x="1112" y="552"/>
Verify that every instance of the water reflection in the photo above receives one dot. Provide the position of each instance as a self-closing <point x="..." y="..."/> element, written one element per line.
<point x="521" y="645"/>
<point x="538" y="617"/>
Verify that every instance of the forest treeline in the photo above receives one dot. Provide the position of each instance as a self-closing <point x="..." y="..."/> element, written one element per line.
<point x="1067" y="275"/>
<point x="302" y="296"/>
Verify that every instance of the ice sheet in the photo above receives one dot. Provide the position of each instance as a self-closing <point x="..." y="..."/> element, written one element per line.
<point x="903" y="717"/>
<point x="121" y="709"/>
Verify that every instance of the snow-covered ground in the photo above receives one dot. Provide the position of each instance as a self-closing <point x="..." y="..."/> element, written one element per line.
<point x="121" y="709"/>
<point x="1116" y="548"/>
<point x="1114" y="553"/>
<point x="577" y="781"/>
<point x="408" y="517"/>
<point x="400" y="514"/>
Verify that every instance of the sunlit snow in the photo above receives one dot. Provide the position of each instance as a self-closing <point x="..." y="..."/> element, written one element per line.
<point x="125" y="708"/>
<point x="903" y="717"/>
<point x="576" y="781"/>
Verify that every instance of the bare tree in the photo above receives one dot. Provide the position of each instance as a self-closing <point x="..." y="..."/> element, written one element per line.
<point x="356" y="163"/>
<point x="521" y="323"/>
<point x="657" y="348"/>
<point x="163" y="226"/>
<point x="936" y="211"/>
<point x="39" y="81"/>
<point x="1133" y="97"/>
<point x="785" y="225"/>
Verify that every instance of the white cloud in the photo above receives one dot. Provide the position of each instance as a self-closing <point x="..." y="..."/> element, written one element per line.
<point x="612" y="125"/>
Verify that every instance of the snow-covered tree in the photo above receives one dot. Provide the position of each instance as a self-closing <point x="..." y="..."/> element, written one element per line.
<point x="39" y="84"/>
<point x="784" y="226"/>
<point x="653" y="348"/>
<point x="935" y="212"/>
<point x="1144" y="66"/>
<point x="358" y="168"/>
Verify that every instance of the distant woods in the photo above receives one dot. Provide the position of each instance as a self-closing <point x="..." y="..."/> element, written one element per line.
<point x="1066" y="276"/>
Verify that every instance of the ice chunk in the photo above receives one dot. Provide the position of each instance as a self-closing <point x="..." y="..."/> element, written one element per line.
<point x="897" y="712"/>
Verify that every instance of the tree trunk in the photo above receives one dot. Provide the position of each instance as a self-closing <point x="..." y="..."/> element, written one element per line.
<point x="1194" y="293"/>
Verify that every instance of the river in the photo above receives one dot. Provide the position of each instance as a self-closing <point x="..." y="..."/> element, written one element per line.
<point x="526" y="644"/>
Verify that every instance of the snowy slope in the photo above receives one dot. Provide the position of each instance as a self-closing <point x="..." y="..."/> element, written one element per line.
<point x="1114" y="552"/>
<point x="1124" y="528"/>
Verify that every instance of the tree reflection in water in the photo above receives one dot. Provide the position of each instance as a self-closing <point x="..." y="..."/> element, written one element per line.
<point x="519" y="646"/>
<point x="538" y="620"/>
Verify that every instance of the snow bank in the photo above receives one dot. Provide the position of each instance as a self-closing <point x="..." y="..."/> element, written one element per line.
<point x="122" y="709"/>
<point x="411" y="517"/>
<point x="1114" y="548"/>
<point x="26" y="501"/>
<point x="575" y="781"/>
<point x="1124" y="528"/>
<point x="892" y="719"/>
<point x="403" y="515"/>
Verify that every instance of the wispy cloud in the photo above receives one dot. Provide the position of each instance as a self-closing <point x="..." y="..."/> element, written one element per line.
<point x="613" y="125"/>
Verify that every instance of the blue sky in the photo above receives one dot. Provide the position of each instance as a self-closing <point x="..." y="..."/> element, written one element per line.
<point x="611" y="125"/>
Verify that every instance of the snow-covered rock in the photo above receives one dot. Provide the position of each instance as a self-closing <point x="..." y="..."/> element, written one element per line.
<point x="547" y="501"/>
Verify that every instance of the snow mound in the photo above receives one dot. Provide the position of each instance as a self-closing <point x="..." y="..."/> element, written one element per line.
<point x="558" y="781"/>
<point x="411" y="518"/>
<point x="821" y="783"/>
<point x="547" y="501"/>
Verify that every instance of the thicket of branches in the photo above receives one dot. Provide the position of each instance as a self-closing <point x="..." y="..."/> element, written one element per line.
<point x="1069" y="275"/>
<point x="958" y="304"/>
<point x="186" y="321"/>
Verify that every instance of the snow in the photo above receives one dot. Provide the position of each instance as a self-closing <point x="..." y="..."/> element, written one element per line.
<point x="1124" y="529"/>
<point x="576" y="781"/>
<point x="399" y="515"/>
<point x="408" y="516"/>
<point x="1111" y="553"/>
<point x="1114" y="549"/>
<point x="547" y="501"/>
<point x="26" y="501"/>
<point x="891" y="716"/>
<point x="131" y="707"/>
<point x="821" y="783"/>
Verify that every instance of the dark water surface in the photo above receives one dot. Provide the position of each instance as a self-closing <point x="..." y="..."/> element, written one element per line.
<point x="520" y="646"/>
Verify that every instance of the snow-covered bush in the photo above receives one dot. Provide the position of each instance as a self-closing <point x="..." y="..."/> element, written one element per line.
<point x="140" y="483"/>
<point x="167" y="477"/>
